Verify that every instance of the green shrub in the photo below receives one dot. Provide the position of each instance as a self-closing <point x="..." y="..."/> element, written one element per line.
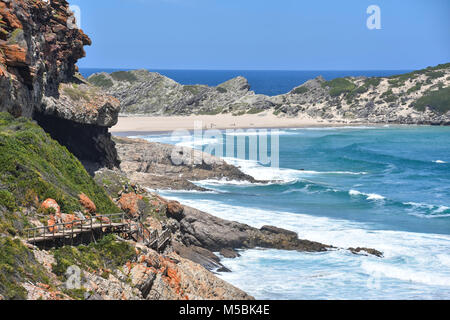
<point x="211" y="112"/>
<point x="30" y="161"/>
<point x="100" y="80"/>
<point x="373" y="81"/>
<point x="108" y="253"/>
<point x="194" y="89"/>
<point x="221" y="89"/>
<point x="388" y="96"/>
<point x="435" y="74"/>
<point x="254" y="111"/>
<point x="438" y="101"/>
<point x="415" y="88"/>
<point x="17" y="264"/>
<point x="124" y="76"/>
<point x="339" y="86"/>
<point x="7" y="200"/>
<point x="300" y="90"/>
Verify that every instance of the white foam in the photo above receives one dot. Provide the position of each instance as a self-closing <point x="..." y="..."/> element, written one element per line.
<point x="404" y="273"/>
<point x="193" y="143"/>
<point x="184" y="191"/>
<point x="369" y="196"/>
<point x="258" y="132"/>
<point x="225" y="181"/>
<point x="439" y="161"/>
<point x="434" y="210"/>
<point x="420" y="256"/>
<point x="260" y="172"/>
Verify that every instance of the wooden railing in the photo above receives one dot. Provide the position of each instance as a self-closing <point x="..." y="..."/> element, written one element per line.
<point x="164" y="238"/>
<point x="115" y="223"/>
<point x="63" y="229"/>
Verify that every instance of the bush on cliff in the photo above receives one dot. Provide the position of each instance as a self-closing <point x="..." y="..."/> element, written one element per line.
<point x="339" y="86"/>
<point x="100" y="80"/>
<point x="108" y="253"/>
<point x="17" y="264"/>
<point x="438" y="101"/>
<point x="32" y="162"/>
<point x="124" y="76"/>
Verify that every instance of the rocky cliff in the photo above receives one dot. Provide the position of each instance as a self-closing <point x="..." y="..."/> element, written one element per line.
<point x="420" y="97"/>
<point x="167" y="167"/>
<point x="39" y="46"/>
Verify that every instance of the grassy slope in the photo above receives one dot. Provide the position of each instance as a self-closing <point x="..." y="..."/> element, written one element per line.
<point x="17" y="263"/>
<point x="32" y="164"/>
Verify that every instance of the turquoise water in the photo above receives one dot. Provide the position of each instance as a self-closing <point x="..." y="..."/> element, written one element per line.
<point x="386" y="188"/>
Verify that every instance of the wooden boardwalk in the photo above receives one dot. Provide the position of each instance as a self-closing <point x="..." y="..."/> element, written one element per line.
<point x="118" y="223"/>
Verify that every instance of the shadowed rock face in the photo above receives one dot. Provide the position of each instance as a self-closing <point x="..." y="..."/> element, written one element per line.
<point x="39" y="46"/>
<point x="90" y="143"/>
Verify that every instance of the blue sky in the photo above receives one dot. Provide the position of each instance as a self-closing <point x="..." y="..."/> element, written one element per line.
<point x="264" y="35"/>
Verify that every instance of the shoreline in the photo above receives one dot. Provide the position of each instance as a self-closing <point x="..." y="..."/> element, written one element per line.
<point x="163" y="124"/>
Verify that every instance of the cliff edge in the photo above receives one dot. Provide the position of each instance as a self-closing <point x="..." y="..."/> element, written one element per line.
<point x="39" y="46"/>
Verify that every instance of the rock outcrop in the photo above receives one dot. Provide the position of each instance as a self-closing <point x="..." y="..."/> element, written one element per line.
<point x="39" y="46"/>
<point x="419" y="97"/>
<point x="197" y="234"/>
<point x="162" y="166"/>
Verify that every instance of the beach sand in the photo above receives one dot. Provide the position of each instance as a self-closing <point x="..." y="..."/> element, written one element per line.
<point x="221" y="121"/>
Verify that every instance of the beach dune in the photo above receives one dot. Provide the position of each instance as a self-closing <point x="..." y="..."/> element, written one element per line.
<point x="221" y="121"/>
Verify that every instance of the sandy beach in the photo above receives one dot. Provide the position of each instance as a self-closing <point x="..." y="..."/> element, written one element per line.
<point x="221" y="121"/>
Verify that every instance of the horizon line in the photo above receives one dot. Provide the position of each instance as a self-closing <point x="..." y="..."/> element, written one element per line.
<point x="201" y="69"/>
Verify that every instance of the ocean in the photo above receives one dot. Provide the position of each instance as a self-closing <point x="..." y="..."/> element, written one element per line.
<point x="382" y="187"/>
<point x="270" y="83"/>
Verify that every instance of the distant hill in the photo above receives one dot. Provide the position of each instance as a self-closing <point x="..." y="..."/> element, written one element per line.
<point x="418" y="97"/>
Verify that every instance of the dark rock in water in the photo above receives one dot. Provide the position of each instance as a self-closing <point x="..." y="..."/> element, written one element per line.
<point x="201" y="229"/>
<point x="366" y="250"/>
<point x="275" y="230"/>
<point x="201" y="256"/>
<point x="229" y="253"/>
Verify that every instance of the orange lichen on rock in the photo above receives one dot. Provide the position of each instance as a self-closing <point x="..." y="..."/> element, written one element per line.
<point x="87" y="203"/>
<point x="51" y="224"/>
<point x="51" y="204"/>
<point x="12" y="20"/>
<point x="71" y="219"/>
<point x="128" y="202"/>
<point x="14" y="55"/>
<point x="175" y="209"/>
<point x="103" y="219"/>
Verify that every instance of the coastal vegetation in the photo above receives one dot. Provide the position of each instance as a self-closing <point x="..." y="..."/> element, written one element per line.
<point x="438" y="100"/>
<point x="300" y="90"/>
<point x="124" y="76"/>
<point x="339" y="86"/>
<point x="100" y="80"/>
<point x="32" y="163"/>
<point x="17" y="263"/>
<point x="107" y="253"/>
